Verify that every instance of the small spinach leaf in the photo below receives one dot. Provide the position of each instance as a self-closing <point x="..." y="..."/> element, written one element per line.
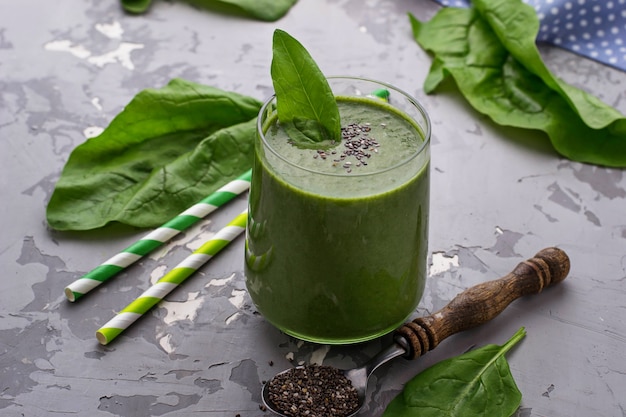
<point x="267" y="10"/>
<point x="307" y="133"/>
<point x="304" y="100"/>
<point x="136" y="6"/>
<point x="490" y="53"/>
<point x="477" y="383"/>
<point x="168" y="149"/>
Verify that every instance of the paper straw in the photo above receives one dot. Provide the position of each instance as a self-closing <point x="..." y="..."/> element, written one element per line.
<point x="171" y="280"/>
<point x="156" y="238"/>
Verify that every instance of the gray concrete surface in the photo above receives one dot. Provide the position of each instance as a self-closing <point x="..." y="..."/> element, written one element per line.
<point x="498" y="196"/>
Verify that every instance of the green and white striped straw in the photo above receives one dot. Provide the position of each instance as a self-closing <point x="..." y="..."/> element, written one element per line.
<point x="171" y="280"/>
<point x="156" y="238"/>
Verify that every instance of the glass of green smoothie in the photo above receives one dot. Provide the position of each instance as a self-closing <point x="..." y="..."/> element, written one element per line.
<point x="337" y="236"/>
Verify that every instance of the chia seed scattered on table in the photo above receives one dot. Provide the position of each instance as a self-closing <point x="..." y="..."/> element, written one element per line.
<point x="313" y="391"/>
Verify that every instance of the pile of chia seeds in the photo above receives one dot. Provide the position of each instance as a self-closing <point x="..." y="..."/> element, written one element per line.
<point x="358" y="147"/>
<point x="313" y="391"/>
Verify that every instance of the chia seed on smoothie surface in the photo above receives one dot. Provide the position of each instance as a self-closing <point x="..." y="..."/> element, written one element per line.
<point x="358" y="147"/>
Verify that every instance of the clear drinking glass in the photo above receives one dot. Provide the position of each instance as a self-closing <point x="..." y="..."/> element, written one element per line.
<point x="337" y="237"/>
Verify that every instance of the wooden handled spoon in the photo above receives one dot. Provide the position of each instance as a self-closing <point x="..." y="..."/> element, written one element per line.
<point x="474" y="306"/>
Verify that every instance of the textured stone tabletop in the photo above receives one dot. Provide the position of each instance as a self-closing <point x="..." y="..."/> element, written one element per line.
<point x="498" y="196"/>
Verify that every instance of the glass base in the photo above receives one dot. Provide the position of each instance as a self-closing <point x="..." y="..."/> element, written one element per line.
<point x="340" y="341"/>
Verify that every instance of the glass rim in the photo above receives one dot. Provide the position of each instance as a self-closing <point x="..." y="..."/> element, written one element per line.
<point x="414" y="102"/>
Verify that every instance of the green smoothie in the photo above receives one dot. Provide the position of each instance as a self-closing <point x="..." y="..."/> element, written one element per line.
<point x="336" y="244"/>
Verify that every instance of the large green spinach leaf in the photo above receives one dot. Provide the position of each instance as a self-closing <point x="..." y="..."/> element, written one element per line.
<point x="168" y="149"/>
<point x="267" y="10"/>
<point x="516" y="26"/>
<point x="490" y="53"/>
<point x="305" y="103"/>
<point x="477" y="383"/>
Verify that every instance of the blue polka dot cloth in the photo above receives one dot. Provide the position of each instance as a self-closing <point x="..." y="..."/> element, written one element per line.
<point x="592" y="28"/>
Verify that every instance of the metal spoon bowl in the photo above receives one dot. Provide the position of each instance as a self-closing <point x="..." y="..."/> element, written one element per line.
<point x="474" y="306"/>
<point x="358" y="377"/>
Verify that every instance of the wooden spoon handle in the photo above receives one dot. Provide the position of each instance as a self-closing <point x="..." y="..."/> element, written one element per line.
<point x="483" y="302"/>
